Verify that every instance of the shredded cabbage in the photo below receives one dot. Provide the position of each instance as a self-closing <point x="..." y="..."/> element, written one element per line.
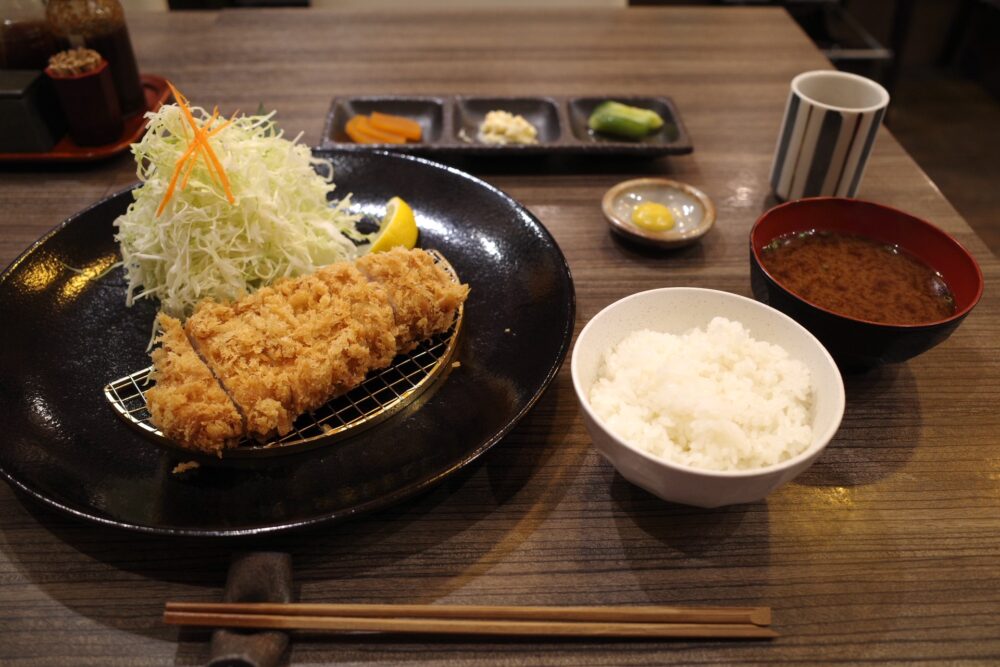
<point x="281" y="223"/>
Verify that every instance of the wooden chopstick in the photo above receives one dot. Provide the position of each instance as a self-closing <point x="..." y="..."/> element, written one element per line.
<point x="751" y="615"/>
<point x="724" y="622"/>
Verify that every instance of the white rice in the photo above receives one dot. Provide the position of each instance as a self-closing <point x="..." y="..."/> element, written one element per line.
<point x="712" y="398"/>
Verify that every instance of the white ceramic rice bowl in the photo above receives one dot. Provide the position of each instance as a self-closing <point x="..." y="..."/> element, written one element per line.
<point x="677" y="310"/>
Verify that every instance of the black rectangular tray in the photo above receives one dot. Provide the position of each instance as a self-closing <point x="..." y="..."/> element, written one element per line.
<point x="561" y="122"/>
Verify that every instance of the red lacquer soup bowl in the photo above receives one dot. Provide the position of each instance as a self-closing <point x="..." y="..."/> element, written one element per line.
<point x="855" y="342"/>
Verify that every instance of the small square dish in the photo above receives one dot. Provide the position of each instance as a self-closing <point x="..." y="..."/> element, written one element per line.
<point x="451" y="125"/>
<point x="541" y="112"/>
<point x="580" y="109"/>
<point x="427" y="111"/>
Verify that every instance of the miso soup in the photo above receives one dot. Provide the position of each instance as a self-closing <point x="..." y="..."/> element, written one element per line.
<point x="859" y="277"/>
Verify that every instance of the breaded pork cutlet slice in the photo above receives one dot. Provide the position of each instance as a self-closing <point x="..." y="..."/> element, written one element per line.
<point x="424" y="297"/>
<point x="289" y="348"/>
<point x="187" y="402"/>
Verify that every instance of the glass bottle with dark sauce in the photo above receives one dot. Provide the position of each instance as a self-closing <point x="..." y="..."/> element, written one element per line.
<point x="26" y="39"/>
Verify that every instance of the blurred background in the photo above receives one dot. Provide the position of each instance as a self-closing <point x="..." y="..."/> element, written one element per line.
<point x="939" y="59"/>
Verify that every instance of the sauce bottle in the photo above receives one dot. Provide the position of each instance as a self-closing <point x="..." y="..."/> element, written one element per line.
<point x="26" y="40"/>
<point x="100" y="25"/>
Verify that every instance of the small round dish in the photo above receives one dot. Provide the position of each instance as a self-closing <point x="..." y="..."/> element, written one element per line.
<point x="694" y="212"/>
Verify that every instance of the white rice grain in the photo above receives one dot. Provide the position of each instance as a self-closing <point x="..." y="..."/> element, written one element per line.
<point x="712" y="398"/>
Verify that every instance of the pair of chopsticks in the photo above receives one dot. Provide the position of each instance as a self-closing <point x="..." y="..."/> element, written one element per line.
<point x="635" y="622"/>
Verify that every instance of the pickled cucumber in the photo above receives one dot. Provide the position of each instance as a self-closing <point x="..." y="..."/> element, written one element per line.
<point x="623" y="120"/>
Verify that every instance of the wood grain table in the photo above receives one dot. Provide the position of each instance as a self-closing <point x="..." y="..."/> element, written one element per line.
<point x="886" y="550"/>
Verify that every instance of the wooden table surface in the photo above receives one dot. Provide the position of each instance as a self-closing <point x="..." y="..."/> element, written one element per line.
<point x="886" y="550"/>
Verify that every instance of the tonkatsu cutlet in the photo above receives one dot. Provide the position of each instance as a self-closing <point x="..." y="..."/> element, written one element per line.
<point x="287" y="349"/>
<point x="423" y="297"/>
<point x="291" y="347"/>
<point x="187" y="401"/>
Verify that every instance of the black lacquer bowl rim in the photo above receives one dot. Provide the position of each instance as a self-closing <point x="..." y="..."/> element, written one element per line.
<point x="562" y="332"/>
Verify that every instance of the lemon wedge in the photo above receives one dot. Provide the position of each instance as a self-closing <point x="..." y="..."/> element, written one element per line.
<point x="398" y="227"/>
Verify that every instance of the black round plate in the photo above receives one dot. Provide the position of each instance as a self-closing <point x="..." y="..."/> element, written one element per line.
<point x="66" y="333"/>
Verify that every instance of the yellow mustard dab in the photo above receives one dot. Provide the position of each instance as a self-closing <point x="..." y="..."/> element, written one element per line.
<point x="653" y="217"/>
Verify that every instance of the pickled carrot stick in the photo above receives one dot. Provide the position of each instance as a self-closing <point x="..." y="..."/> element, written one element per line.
<point x="409" y="129"/>
<point x="361" y="131"/>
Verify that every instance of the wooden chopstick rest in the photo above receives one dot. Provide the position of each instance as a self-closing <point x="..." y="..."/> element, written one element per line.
<point x="257" y="575"/>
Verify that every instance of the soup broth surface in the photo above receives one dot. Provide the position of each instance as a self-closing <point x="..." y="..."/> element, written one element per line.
<point x="858" y="277"/>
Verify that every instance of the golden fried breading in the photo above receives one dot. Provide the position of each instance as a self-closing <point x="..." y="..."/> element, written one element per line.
<point x="372" y="318"/>
<point x="291" y="347"/>
<point x="187" y="402"/>
<point x="424" y="297"/>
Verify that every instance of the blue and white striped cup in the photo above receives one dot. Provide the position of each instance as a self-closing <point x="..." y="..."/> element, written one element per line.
<point x="830" y="124"/>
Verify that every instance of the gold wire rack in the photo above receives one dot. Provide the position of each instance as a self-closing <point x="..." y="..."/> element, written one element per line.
<point x="383" y="393"/>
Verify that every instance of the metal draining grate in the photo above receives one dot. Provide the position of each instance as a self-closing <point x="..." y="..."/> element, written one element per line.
<point x="383" y="393"/>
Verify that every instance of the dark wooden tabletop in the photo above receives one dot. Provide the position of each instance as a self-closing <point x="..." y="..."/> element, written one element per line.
<point x="884" y="551"/>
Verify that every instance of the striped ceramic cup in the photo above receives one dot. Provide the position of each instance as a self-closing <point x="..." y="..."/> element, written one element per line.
<point x="830" y="124"/>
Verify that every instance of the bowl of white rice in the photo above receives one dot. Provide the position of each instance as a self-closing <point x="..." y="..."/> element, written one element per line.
<point x="704" y="397"/>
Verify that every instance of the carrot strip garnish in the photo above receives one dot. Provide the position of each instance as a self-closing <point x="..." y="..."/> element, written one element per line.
<point x="200" y="144"/>
<point x="173" y="180"/>
<point x="191" y="164"/>
<point x="180" y="99"/>
<point x="219" y="170"/>
<point x="198" y="147"/>
<point x="211" y="159"/>
<point x="201" y="148"/>
<point x="221" y="127"/>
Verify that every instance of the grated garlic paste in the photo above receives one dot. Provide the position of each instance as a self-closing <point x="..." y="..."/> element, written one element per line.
<point x="503" y="127"/>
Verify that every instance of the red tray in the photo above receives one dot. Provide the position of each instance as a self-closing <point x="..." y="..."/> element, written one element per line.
<point x="65" y="150"/>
